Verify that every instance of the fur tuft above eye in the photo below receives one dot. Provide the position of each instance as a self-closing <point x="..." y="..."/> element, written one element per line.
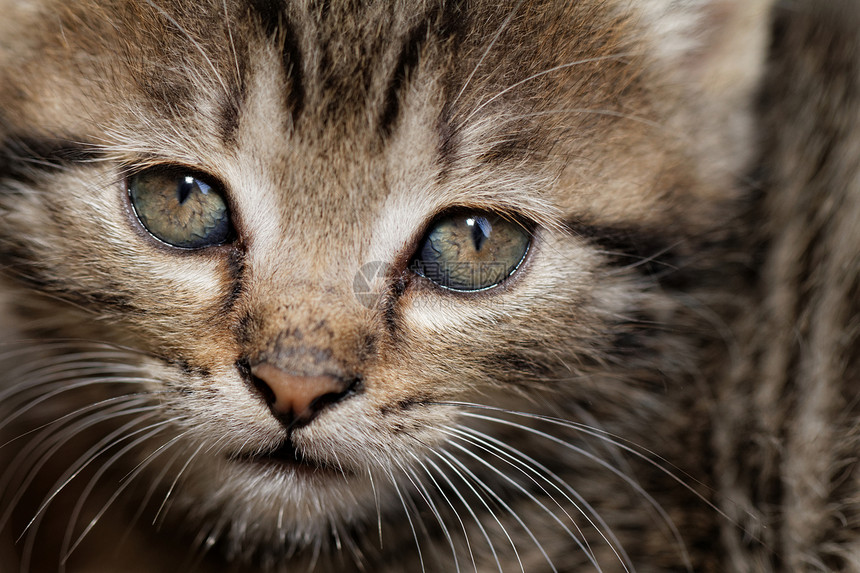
<point x="471" y="250"/>
<point x="180" y="208"/>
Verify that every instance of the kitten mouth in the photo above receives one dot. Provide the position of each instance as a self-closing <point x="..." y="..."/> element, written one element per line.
<point x="288" y="456"/>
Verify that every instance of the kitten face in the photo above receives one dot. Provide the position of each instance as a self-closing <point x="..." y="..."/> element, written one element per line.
<point x="339" y="137"/>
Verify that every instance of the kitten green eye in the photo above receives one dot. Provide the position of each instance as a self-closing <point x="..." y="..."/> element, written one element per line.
<point x="178" y="207"/>
<point x="471" y="251"/>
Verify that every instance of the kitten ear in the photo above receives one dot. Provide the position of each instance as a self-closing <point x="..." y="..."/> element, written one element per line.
<point x="715" y="47"/>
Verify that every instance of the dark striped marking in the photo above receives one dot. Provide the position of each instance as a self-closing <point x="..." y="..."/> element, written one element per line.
<point x="448" y="143"/>
<point x="403" y="404"/>
<point x="270" y="13"/>
<point x="187" y="367"/>
<point x="169" y="92"/>
<point x="231" y="103"/>
<point x="648" y="252"/>
<point x="236" y="267"/>
<point x="276" y="24"/>
<point x="246" y="328"/>
<point x="445" y="23"/>
<point x="390" y="312"/>
<point x="21" y="263"/>
<point x="23" y="157"/>
<point x="407" y="62"/>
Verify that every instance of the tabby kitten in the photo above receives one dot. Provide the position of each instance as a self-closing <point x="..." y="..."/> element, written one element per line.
<point x="444" y="285"/>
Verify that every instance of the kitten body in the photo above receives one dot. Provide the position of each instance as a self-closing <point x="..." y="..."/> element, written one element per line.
<point x="663" y="383"/>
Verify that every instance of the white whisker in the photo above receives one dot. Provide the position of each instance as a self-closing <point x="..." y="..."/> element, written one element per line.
<point x="232" y="44"/>
<point x="154" y="485"/>
<point x="498" y="499"/>
<point x="36" y="377"/>
<point x="158" y="427"/>
<point x="409" y="519"/>
<point x="425" y="494"/>
<point x="468" y="507"/>
<point x="579" y="503"/>
<point x="515" y="85"/>
<point x="488" y="49"/>
<point x="451" y="505"/>
<point x="124" y="483"/>
<point x="175" y="481"/>
<point x="576" y="111"/>
<point x="375" y="500"/>
<point x="603" y="435"/>
<point x="94" y="406"/>
<point x="582" y="543"/>
<point x="461" y="471"/>
<point x="113" y="439"/>
<point x="598" y="434"/>
<point x="46" y="449"/>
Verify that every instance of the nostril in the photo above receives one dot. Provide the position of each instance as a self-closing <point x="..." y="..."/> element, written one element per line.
<point x="297" y="398"/>
<point x="350" y="387"/>
<point x="263" y="388"/>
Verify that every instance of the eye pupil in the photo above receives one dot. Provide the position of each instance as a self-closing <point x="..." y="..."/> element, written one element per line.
<point x="184" y="190"/>
<point x="481" y="230"/>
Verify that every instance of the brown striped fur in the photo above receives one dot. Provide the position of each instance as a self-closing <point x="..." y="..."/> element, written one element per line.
<point x="674" y="363"/>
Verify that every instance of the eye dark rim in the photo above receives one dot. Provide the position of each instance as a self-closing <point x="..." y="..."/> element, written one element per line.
<point x="528" y="227"/>
<point x="172" y="168"/>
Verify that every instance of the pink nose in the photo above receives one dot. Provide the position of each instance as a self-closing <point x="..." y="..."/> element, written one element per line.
<point x="294" y="396"/>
